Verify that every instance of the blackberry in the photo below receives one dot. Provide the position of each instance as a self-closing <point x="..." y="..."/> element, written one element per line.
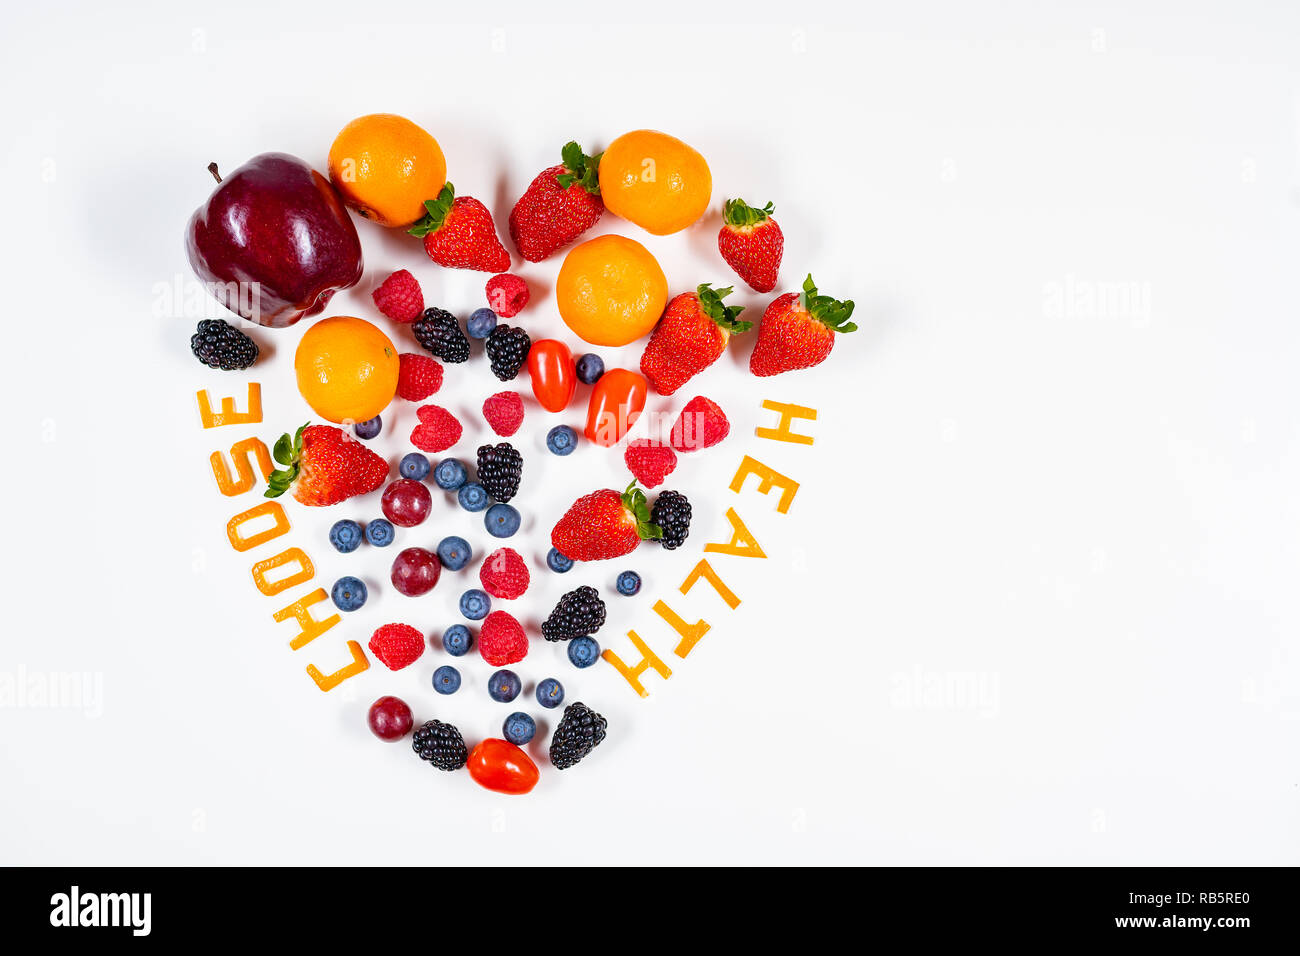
<point x="580" y="730"/>
<point x="500" y="467"/>
<point x="579" y="613"/>
<point x="672" y="513"/>
<point x="440" y="744"/>
<point x="439" y="332"/>
<point x="218" y="344"/>
<point x="507" y="347"/>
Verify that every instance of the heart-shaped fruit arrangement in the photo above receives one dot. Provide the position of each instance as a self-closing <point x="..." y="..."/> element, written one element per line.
<point x="275" y="241"/>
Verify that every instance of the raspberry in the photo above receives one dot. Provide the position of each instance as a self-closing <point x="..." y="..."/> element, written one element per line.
<point x="501" y="640"/>
<point x="438" y="429"/>
<point x="649" y="461"/>
<point x="397" y="645"/>
<point x="702" y="424"/>
<point x="580" y="730"/>
<point x="399" y="297"/>
<point x="504" y="411"/>
<point x="418" y="376"/>
<point x="504" y="574"/>
<point x="507" y="294"/>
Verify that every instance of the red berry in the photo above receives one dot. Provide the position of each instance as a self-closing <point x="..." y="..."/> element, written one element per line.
<point x="406" y="502"/>
<point x="458" y="233"/>
<point x="418" y="376"/>
<point x="390" y="718"/>
<point x="504" y="574"/>
<point x="399" y="297"/>
<point x="650" y="461"/>
<point x="501" y="640"/>
<point x="702" y="424"/>
<point x="507" y="295"/>
<point x="504" y="411"/>
<point x="438" y="430"/>
<point x="751" y="242"/>
<point x="415" y="572"/>
<point x="397" y="645"/>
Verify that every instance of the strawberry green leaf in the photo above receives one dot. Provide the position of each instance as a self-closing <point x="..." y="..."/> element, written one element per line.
<point x="435" y="212"/>
<point x="735" y="212"/>
<point x="831" y="313"/>
<point x="579" y="168"/>
<point x="283" y="451"/>
<point x="724" y="315"/>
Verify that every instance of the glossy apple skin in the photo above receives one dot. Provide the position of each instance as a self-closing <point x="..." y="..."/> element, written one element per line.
<point x="278" y="223"/>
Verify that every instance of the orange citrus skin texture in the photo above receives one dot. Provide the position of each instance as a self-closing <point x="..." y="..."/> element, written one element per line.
<point x="386" y="167"/>
<point x="347" y="369"/>
<point x="610" y="290"/>
<point x="655" y="180"/>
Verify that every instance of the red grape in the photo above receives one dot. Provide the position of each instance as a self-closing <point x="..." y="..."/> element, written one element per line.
<point x="406" y="503"/>
<point x="415" y="571"/>
<point x="390" y="718"/>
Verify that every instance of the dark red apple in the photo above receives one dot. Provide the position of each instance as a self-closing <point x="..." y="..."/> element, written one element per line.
<point x="274" y="241"/>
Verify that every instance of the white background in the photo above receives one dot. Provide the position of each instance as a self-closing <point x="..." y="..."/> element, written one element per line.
<point x="1034" y="602"/>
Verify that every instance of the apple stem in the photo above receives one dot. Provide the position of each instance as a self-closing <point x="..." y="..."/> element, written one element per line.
<point x="212" y="168"/>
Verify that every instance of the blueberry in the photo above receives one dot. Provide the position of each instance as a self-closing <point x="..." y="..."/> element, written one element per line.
<point x="557" y="562"/>
<point x="369" y="428"/>
<point x="454" y="553"/>
<point x="450" y="474"/>
<point x="446" y="679"/>
<point x="550" y="693"/>
<point x="348" y="593"/>
<point x="414" y="466"/>
<point x="481" y="323"/>
<point x="501" y="521"/>
<point x="475" y="604"/>
<point x="583" y="651"/>
<point x="380" y="532"/>
<point x="457" y="640"/>
<point x="590" y="368"/>
<point x="561" y="440"/>
<point x="472" y="496"/>
<point x="628" y="583"/>
<point x="504" y="686"/>
<point x="346" y="536"/>
<point x="519" y="728"/>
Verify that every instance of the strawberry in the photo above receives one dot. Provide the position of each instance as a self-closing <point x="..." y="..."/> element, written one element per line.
<point x="397" y="645"/>
<point x="604" y="524"/>
<point x="324" y="465"/>
<point x="458" y="233"/>
<point x="798" y="331"/>
<point x="649" y="461"/>
<point x="702" y="424"/>
<point x="691" y="336"/>
<point x="752" y="243"/>
<point x="559" y="205"/>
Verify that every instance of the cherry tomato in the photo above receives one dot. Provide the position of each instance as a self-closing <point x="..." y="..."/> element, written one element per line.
<point x="617" y="400"/>
<point x="554" y="377"/>
<point x="501" y="766"/>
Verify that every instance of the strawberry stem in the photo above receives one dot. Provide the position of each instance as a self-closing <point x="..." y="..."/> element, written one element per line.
<point x="288" y="452"/>
<point x="634" y="500"/>
<point x="735" y="212"/>
<point x="436" y="211"/>
<point x="579" y="168"/>
<point x="725" y="316"/>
